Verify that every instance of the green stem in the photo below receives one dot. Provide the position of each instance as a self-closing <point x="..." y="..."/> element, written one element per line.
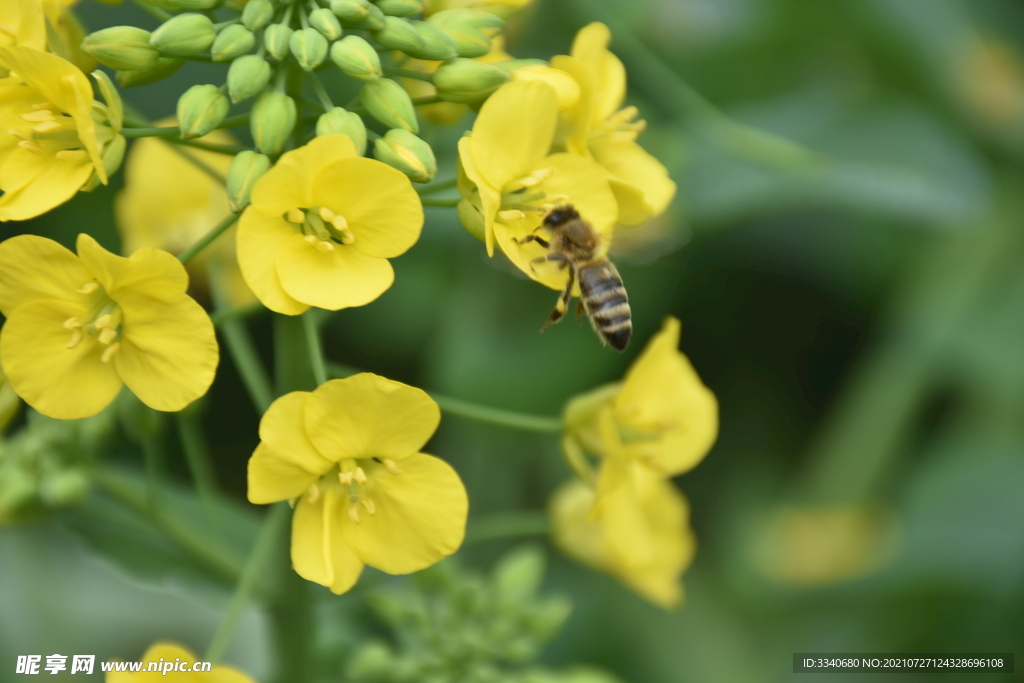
<point x="154" y="459"/>
<point x="219" y="317"/>
<point x="435" y="201"/>
<point x="321" y="93"/>
<point x="274" y="525"/>
<point x="473" y="411"/>
<point x="316" y="354"/>
<point x="508" y="525"/>
<point x="153" y="11"/>
<point x="433" y="99"/>
<point x="200" y="465"/>
<point x="133" y="132"/>
<point x="196" y="161"/>
<point x="292" y="371"/>
<point x="208" y="238"/>
<point x="437" y="186"/>
<point x="243" y="351"/>
<point x="209" y="146"/>
<point x="408" y="73"/>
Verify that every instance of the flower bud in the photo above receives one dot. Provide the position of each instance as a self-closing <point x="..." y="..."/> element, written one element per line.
<point x="247" y="76"/>
<point x="165" y="66"/>
<point x="356" y="58"/>
<point x="338" y="121"/>
<point x="246" y="168"/>
<point x="276" y="39"/>
<point x="469" y="42"/>
<point x="324" y="21"/>
<point x="389" y="103"/>
<point x="63" y="487"/>
<point x="184" y="35"/>
<point x="488" y="23"/>
<point x="374" y="21"/>
<point x="401" y="8"/>
<point x="468" y="81"/>
<point x="309" y="48"/>
<point x="412" y="156"/>
<point x="201" y="109"/>
<point x="234" y="41"/>
<point x="399" y="34"/>
<point x="436" y="44"/>
<point x="124" y="48"/>
<point x="271" y="121"/>
<point x="351" y="10"/>
<point x="257" y="14"/>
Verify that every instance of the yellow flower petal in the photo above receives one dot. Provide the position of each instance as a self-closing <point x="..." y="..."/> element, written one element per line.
<point x="289" y="183"/>
<point x="145" y="275"/>
<point x="566" y="88"/>
<point x="575" y="123"/>
<point x="319" y="553"/>
<point x="381" y="207"/>
<point x="420" y="516"/>
<point x="258" y="240"/>
<point x="25" y="21"/>
<point x="634" y="172"/>
<point x="368" y="416"/>
<point x="513" y="131"/>
<point x="33" y="185"/>
<point x="283" y="431"/>
<point x="273" y="476"/>
<point x="59" y="382"/>
<point x="335" y="279"/>
<point x="490" y="197"/>
<point x="35" y="268"/>
<point x="169" y="354"/>
<point x="591" y="48"/>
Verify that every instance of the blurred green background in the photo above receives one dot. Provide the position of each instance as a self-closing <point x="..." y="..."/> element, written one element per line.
<point x="859" y="316"/>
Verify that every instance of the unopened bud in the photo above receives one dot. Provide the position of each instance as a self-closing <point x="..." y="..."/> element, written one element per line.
<point x="276" y="39"/>
<point x="401" y="8"/>
<point x="234" y="41"/>
<point x="271" y="121"/>
<point x="184" y="35"/>
<point x="324" y="21"/>
<point x="389" y="103"/>
<point x="399" y="34"/>
<point x="341" y="122"/>
<point x="374" y="21"/>
<point x="469" y="42"/>
<point x="351" y="10"/>
<point x="125" y="48"/>
<point x="309" y="48"/>
<point x="246" y="168"/>
<point x="113" y="154"/>
<point x="63" y="487"/>
<point x="468" y="81"/>
<point x="488" y="23"/>
<point x="165" y="66"/>
<point x="247" y="75"/>
<point x="436" y="44"/>
<point x="402" y="150"/>
<point x="257" y="14"/>
<point x="356" y="58"/>
<point x="201" y="109"/>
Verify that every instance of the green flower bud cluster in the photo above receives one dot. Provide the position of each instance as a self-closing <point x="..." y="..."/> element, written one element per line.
<point x="45" y="464"/>
<point x="455" y="626"/>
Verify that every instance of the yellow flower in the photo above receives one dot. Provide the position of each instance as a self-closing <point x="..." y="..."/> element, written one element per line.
<point x="79" y="327"/>
<point x="23" y="23"/>
<point x="54" y="139"/>
<point x="65" y="39"/>
<point x="502" y="8"/>
<point x="665" y="416"/>
<point x="172" y="654"/>
<point x="322" y="225"/>
<point x="598" y="128"/>
<point x="9" y="402"/>
<point x="150" y="216"/>
<point x="635" y="526"/>
<point x="349" y="453"/>
<point x="507" y="158"/>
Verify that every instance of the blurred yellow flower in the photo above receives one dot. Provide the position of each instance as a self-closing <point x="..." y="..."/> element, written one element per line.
<point x="349" y="453"/>
<point x="171" y="654"/>
<point x="506" y="159"/>
<point x="9" y="402"/>
<point x="502" y="8"/>
<point x="54" y="139"/>
<point x="634" y="526"/>
<point x="66" y="33"/>
<point x="322" y="225"/>
<point x="597" y="127"/>
<point x="150" y="216"/>
<point x="665" y="416"/>
<point x="79" y="327"/>
<point x="23" y="23"/>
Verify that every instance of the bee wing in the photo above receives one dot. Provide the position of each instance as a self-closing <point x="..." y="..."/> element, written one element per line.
<point x="649" y="241"/>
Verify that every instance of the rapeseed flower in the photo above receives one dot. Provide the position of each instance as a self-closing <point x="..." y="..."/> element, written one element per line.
<point x="175" y="654"/>
<point x="598" y="127"/>
<point x="23" y="23"/>
<point x="322" y="225"/>
<point x="348" y="455"/>
<point x="513" y="179"/>
<point x="150" y="216"/>
<point x="54" y="139"/>
<point x="80" y="327"/>
<point x="65" y="33"/>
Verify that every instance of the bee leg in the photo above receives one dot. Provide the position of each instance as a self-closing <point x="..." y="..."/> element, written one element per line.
<point x="532" y="238"/>
<point x="580" y="310"/>
<point x="562" y="304"/>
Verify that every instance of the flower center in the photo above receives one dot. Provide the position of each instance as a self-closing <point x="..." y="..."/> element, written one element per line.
<point x="523" y="195"/>
<point x="323" y="228"/>
<point x="620" y="126"/>
<point x="350" y="476"/>
<point x="102" y="321"/>
<point x="46" y="131"/>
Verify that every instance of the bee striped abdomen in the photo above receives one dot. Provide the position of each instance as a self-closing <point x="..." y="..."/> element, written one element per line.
<point x="605" y="300"/>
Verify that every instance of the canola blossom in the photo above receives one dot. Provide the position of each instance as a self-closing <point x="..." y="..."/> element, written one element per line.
<point x="177" y="655"/>
<point x="22" y="23"/>
<point x="349" y="455"/>
<point x="79" y="327"/>
<point x="54" y="139"/>
<point x="322" y="225"/>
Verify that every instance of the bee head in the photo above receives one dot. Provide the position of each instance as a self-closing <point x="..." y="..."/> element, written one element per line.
<point x="560" y="215"/>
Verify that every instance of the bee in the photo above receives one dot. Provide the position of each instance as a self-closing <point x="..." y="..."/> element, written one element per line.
<point x="574" y="244"/>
